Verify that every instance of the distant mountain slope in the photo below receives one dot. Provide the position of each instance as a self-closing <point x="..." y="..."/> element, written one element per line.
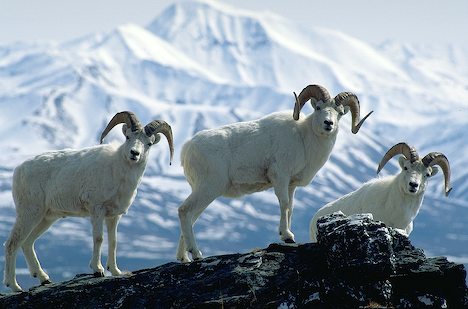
<point x="201" y="65"/>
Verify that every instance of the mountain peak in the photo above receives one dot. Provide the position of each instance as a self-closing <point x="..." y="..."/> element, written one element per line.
<point x="209" y="20"/>
<point x="206" y="65"/>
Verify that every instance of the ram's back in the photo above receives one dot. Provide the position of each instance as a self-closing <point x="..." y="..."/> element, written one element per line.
<point x="58" y="178"/>
<point x="241" y="154"/>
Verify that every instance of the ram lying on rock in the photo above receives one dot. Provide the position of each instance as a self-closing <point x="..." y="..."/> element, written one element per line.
<point x="99" y="182"/>
<point x="276" y="151"/>
<point x="394" y="200"/>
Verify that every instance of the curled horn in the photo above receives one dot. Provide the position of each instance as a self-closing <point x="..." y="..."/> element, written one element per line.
<point x="126" y="117"/>
<point x="317" y="92"/>
<point x="351" y="100"/>
<point x="400" y="148"/>
<point x="159" y="126"/>
<point x="437" y="158"/>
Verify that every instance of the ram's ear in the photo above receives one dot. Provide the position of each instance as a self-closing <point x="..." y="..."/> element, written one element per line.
<point x="313" y="102"/>
<point x="435" y="170"/>
<point x="157" y="138"/>
<point x="124" y="129"/>
<point x="401" y="161"/>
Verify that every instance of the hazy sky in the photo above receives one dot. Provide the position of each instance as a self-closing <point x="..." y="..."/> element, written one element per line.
<point x="369" y="20"/>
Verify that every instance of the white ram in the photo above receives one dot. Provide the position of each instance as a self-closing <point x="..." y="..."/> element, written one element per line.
<point x="396" y="199"/>
<point x="276" y="151"/>
<point x="99" y="182"/>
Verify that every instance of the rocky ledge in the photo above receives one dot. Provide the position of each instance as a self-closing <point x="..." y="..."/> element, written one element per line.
<point x="357" y="262"/>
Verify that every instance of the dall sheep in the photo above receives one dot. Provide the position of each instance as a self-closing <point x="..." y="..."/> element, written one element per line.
<point x="276" y="151"/>
<point x="396" y="199"/>
<point x="99" y="182"/>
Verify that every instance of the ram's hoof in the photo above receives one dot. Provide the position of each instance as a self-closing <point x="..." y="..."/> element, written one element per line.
<point x="15" y="288"/>
<point x="98" y="274"/>
<point x="289" y="241"/>
<point x="196" y="255"/>
<point x="46" y="282"/>
<point x="184" y="260"/>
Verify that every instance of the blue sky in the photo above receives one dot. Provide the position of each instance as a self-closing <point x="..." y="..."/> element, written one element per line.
<point x="420" y="21"/>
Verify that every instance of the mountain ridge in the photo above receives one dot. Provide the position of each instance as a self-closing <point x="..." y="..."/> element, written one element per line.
<point x="381" y="268"/>
<point x="61" y="95"/>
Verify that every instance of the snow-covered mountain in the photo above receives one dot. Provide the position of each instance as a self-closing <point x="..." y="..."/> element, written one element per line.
<point x="201" y="65"/>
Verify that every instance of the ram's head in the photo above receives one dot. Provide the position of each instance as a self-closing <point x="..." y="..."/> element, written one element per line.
<point x="138" y="138"/>
<point x="328" y="111"/>
<point x="414" y="170"/>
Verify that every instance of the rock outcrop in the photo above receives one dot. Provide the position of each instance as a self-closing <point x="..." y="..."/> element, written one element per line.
<point x="357" y="262"/>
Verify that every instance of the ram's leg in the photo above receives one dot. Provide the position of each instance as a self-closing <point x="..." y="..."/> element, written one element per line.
<point x="313" y="228"/>
<point x="29" y="253"/>
<point x="290" y="205"/>
<point x="406" y="231"/>
<point x="19" y="233"/>
<point x="190" y="209"/>
<point x="111" y="224"/>
<point x="182" y="253"/>
<point x="97" y="222"/>
<point x="281" y="187"/>
<point x="409" y="228"/>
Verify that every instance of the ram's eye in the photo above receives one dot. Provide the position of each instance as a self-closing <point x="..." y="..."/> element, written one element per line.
<point x="405" y="168"/>
<point x="149" y="144"/>
<point x="317" y="108"/>
<point x="127" y="137"/>
<point x="427" y="174"/>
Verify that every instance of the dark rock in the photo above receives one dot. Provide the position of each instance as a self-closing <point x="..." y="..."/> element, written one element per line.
<point x="357" y="263"/>
<point x="435" y="277"/>
<point x="355" y="245"/>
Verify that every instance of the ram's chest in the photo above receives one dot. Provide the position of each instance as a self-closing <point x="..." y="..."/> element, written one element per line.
<point x="119" y="203"/>
<point x="304" y="177"/>
<point x="400" y="212"/>
<point x="117" y="194"/>
<point x="309" y="170"/>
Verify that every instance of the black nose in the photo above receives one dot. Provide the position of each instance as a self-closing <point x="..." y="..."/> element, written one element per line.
<point x="134" y="152"/>
<point x="413" y="184"/>
<point x="328" y="122"/>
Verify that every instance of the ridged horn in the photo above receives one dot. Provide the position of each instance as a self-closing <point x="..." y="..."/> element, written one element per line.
<point x="126" y="117"/>
<point x="437" y="158"/>
<point x="159" y="126"/>
<point x="351" y="100"/>
<point x="317" y="92"/>
<point x="400" y="148"/>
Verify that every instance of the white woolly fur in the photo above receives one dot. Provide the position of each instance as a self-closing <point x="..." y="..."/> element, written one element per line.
<point x="245" y="157"/>
<point x="394" y="200"/>
<point x="99" y="182"/>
